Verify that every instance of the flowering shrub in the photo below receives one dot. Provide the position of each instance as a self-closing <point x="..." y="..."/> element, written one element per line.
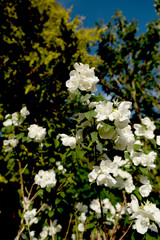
<point x="101" y="169"/>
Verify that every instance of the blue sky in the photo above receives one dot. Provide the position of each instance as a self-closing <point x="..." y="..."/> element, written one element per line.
<point x="93" y="10"/>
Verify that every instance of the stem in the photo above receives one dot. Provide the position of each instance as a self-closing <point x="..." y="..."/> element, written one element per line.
<point x="102" y="216"/>
<point x="99" y="195"/>
<point x="116" y="222"/>
<point x="22" y="192"/>
<point x="19" y="233"/>
<point x="51" y="229"/>
<point x="126" y="231"/>
<point x="69" y="224"/>
<point x="21" y="179"/>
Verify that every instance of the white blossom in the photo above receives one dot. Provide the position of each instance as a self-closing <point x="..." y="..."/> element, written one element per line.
<point x="29" y="216"/>
<point x="158" y="140"/>
<point x="24" y="112"/>
<point x="82" y="217"/>
<point x="45" y="178"/>
<point x="81" y="227"/>
<point x="9" y="144"/>
<point x="36" y="132"/>
<point x="146" y="160"/>
<point x="82" y="207"/>
<point x="68" y="141"/>
<point x="129" y="186"/>
<point x="125" y="138"/>
<point x="103" y="110"/>
<point x="146" y="188"/>
<point x="108" y="206"/>
<point x="44" y="233"/>
<point x="144" y="215"/>
<point x="95" y="206"/>
<point x="26" y="203"/>
<point x="83" y="78"/>
<point x="121" y="115"/>
<point x="54" y="228"/>
<point x="7" y="123"/>
<point x="146" y="129"/>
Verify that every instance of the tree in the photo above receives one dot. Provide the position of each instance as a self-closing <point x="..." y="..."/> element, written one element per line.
<point x="130" y="68"/>
<point x="38" y="41"/>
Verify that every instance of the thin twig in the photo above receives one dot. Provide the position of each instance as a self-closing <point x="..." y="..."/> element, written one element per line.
<point x="34" y="196"/>
<point x="69" y="224"/>
<point x="40" y="208"/>
<point x="19" y="233"/>
<point x="116" y="222"/>
<point x="126" y="231"/>
<point x="22" y="192"/>
<point x="102" y="216"/>
<point x="51" y="229"/>
<point x="29" y="194"/>
<point x="21" y="180"/>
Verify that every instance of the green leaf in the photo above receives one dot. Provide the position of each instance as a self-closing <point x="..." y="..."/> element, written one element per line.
<point x="107" y="127"/>
<point x="50" y="213"/>
<point x="98" y="98"/>
<point x="20" y="135"/>
<point x="40" y="192"/>
<point x="80" y="153"/>
<point x="56" y="143"/>
<point x="85" y="98"/>
<point x="136" y="192"/>
<point x="94" y="136"/>
<point x="148" y="237"/>
<point x="52" y="160"/>
<point x="50" y="132"/>
<point x="136" y="147"/>
<point x="57" y="201"/>
<point x="89" y="226"/>
<point x="48" y="189"/>
<point x="90" y="114"/>
<point x="143" y="170"/>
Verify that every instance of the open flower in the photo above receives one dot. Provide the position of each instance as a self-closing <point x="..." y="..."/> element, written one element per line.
<point x="45" y="178"/>
<point x="36" y="132"/>
<point x="83" y="78"/>
<point x="146" y="129"/>
<point x="68" y="141"/>
<point x="103" y="110"/>
<point x="144" y="215"/>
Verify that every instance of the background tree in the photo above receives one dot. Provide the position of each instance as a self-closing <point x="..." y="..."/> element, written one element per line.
<point x="38" y="40"/>
<point x="130" y="68"/>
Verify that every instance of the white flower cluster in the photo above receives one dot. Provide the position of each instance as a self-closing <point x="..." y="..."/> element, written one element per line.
<point x="107" y="207"/>
<point x="68" y="141"/>
<point x="146" y="188"/>
<point x="37" y="133"/>
<point x="146" y="129"/>
<point x="83" y="78"/>
<point x="120" y="132"/>
<point x="45" y="178"/>
<point x="144" y="216"/>
<point x="9" y="144"/>
<point x="29" y="216"/>
<point x="60" y="167"/>
<point x="51" y="231"/>
<point x="110" y="174"/>
<point x="83" y="209"/>
<point x="14" y="118"/>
